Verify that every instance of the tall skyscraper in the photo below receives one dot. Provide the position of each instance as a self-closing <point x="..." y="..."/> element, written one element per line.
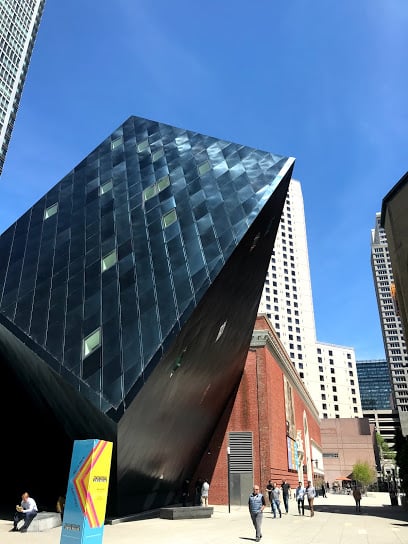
<point x="287" y="301"/>
<point x="287" y="296"/>
<point x="19" y="22"/>
<point x="394" y="220"/>
<point x="393" y="336"/>
<point x="128" y="298"/>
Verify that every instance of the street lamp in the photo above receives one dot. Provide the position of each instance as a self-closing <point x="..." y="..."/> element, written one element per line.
<point x="229" y="478"/>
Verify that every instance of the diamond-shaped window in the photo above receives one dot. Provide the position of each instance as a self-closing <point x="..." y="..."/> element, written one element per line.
<point x="150" y="192"/>
<point x="204" y="168"/>
<point x="106" y="187"/>
<point x="116" y="143"/>
<point x="91" y="342"/>
<point x="157" y="155"/>
<point x="163" y="183"/>
<point x="51" y="210"/>
<point x="143" y="146"/>
<point x="169" y="218"/>
<point x="109" y="260"/>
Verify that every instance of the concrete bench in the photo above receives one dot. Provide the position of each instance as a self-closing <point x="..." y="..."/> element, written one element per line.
<point x="186" y="512"/>
<point x="44" y="521"/>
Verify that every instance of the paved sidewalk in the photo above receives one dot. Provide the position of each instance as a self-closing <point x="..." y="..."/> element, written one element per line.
<point x="335" y="522"/>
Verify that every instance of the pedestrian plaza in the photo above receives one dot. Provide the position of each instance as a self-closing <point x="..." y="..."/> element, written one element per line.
<point x="335" y="522"/>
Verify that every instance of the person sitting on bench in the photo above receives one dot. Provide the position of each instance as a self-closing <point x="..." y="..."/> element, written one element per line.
<point x="26" y="510"/>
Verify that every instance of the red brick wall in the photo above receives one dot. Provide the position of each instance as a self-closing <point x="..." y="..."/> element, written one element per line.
<point x="259" y="407"/>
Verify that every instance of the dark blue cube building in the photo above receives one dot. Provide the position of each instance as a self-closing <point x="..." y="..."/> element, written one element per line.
<point x="128" y="295"/>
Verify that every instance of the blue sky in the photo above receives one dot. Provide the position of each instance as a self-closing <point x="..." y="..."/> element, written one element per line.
<point x="323" y="81"/>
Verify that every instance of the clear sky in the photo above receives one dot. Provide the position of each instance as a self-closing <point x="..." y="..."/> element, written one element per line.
<point x="324" y="81"/>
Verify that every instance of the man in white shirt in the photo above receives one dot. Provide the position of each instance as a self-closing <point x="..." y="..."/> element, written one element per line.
<point x="27" y="510"/>
<point x="310" y="493"/>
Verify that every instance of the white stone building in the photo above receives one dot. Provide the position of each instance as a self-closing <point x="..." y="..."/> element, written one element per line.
<point x="287" y="301"/>
<point x="19" y="22"/>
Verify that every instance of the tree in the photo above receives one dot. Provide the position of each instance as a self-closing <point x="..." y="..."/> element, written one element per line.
<point x="364" y="473"/>
<point x="384" y="448"/>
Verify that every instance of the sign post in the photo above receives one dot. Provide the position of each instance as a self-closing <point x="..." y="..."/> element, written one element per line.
<point x="87" y="493"/>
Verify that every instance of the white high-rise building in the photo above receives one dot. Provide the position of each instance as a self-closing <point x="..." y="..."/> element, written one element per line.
<point x="338" y="381"/>
<point x="393" y="336"/>
<point x="287" y="301"/>
<point x="19" y="22"/>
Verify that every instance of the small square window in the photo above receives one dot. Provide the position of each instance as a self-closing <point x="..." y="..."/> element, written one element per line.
<point x="157" y="155"/>
<point x="143" y="146"/>
<point x="91" y="342"/>
<point x="169" y="218"/>
<point x="150" y="192"/>
<point x="51" y="210"/>
<point x="109" y="260"/>
<point x="204" y="168"/>
<point x="106" y="187"/>
<point x="163" y="183"/>
<point x="116" y="143"/>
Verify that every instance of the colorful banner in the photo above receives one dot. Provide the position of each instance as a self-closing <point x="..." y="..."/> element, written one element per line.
<point x="87" y="494"/>
<point x="293" y="459"/>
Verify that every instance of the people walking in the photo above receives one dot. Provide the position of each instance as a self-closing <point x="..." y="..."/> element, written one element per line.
<point x="276" y="495"/>
<point x="357" y="498"/>
<point x="286" y="494"/>
<point x="300" y="498"/>
<point x="256" y="506"/>
<point x="310" y="494"/>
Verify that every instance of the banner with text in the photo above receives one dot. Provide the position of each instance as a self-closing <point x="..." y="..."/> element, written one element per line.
<point x="87" y="493"/>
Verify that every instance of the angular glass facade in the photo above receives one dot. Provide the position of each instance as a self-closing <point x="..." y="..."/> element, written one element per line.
<point x="135" y="282"/>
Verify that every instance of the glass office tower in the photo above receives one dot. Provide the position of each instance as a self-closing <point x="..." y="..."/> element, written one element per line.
<point x="19" y="22"/>
<point x="128" y="298"/>
<point x="375" y="384"/>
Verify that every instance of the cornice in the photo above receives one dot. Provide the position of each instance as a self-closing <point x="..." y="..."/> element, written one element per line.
<point x="266" y="338"/>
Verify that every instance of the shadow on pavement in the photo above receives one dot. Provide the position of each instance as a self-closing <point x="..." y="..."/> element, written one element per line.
<point x="384" y="511"/>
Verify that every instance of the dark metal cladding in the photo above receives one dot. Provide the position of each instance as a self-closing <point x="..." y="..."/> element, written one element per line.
<point x="128" y="295"/>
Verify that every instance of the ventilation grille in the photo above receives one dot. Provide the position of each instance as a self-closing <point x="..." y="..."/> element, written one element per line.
<point x="241" y="452"/>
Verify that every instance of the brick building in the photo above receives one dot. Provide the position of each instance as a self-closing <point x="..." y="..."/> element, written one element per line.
<point x="270" y="428"/>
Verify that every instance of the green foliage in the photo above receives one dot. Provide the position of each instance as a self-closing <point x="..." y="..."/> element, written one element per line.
<point x="364" y="473"/>
<point x="401" y="445"/>
<point x="381" y="443"/>
<point x="384" y="448"/>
